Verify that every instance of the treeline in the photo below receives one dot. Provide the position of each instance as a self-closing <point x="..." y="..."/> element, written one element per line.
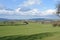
<point x="5" y="23"/>
<point x="25" y="22"/>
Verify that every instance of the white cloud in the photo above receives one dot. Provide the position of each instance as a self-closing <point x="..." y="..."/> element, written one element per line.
<point x="30" y="12"/>
<point x="6" y="12"/>
<point x="31" y="2"/>
<point x="48" y="12"/>
<point x="17" y="10"/>
<point x="25" y="4"/>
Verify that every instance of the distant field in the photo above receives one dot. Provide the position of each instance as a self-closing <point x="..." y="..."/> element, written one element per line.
<point x="32" y="31"/>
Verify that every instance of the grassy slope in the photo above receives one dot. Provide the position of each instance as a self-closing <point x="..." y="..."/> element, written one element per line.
<point x="30" y="29"/>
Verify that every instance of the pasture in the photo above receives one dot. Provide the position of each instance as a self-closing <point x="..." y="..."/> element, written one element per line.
<point x="32" y="31"/>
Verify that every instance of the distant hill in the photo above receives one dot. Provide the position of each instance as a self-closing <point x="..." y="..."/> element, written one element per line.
<point x="43" y="19"/>
<point x="37" y="19"/>
<point x="3" y="19"/>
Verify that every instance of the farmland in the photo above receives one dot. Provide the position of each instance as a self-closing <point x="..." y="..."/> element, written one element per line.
<point x="32" y="31"/>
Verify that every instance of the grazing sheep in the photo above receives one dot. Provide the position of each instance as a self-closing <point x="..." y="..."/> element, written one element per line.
<point x="58" y="24"/>
<point x="54" y="25"/>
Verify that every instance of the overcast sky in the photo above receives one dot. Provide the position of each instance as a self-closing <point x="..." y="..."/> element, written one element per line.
<point x="24" y="9"/>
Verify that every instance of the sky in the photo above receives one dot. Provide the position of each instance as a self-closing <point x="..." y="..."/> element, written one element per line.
<point x="27" y="9"/>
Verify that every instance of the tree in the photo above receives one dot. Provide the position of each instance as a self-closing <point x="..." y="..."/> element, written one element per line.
<point x="25" y="22"/>
<point x="58" y="9"/>
<point x="58" y="14"/>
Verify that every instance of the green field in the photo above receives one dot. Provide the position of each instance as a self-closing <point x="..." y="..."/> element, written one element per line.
<point x="32" y="31"/>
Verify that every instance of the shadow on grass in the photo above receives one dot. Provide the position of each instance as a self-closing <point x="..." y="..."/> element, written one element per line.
<point x="28" y="37"/>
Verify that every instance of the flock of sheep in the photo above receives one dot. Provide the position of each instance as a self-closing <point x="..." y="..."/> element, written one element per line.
<point x="55" y="24"/>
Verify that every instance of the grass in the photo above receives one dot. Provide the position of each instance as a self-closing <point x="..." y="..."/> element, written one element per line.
<point x="32" y="31"/>
<point x="28" y="37"/>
